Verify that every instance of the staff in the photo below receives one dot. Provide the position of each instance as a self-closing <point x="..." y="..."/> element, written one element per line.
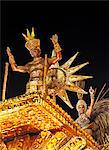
<point x="5" y="80"/>
<point x="44" y="79"/>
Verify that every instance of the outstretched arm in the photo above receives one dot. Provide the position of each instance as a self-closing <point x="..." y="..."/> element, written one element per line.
<point x="89" y="111"/>
<point x="14" y="66"/>
<point x="57" y="49"/>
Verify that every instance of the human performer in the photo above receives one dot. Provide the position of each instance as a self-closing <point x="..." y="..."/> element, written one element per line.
<point x="84" y="113"/>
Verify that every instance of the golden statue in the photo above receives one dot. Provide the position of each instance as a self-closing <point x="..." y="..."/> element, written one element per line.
<point x="33" y="120"/>
<point x="35" y="68"/>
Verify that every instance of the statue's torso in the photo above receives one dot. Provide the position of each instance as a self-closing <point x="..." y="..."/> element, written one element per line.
<point x="36" y="68"/>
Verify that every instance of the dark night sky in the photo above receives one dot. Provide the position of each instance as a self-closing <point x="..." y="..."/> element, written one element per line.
<point x="81" y="26"/>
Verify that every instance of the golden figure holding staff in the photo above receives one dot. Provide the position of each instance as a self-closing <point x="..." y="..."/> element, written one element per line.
<point x="35" y="68"/>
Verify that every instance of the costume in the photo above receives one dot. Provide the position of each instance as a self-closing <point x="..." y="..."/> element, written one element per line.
<point x="83" y="120"/>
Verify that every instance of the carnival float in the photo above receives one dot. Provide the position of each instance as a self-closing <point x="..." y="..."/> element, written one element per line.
<point x="34" y="121"/>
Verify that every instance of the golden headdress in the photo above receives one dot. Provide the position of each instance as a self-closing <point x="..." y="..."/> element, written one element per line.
<point x="32" y="42"/>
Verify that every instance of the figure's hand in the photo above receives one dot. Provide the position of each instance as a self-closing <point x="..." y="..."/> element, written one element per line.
<point x="9" y="52"/>
<point x="54" y="39"/>
<point x="11" y="57"/>
<point x="91" y="91"/>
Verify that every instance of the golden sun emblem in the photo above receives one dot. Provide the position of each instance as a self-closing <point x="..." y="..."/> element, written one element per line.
<point x="62" y="78"/>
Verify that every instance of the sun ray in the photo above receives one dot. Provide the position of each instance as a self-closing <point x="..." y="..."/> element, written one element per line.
<point x="74" y="78"/>
<point x="76" y="68"/>
<point x="63" y="95"/>
<point x="75" y="88"/>
<point x="67" y="64"/>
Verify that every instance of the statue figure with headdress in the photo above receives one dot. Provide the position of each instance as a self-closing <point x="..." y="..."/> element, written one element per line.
<point x="35" y="68"/>
<point x="46" y="75"/>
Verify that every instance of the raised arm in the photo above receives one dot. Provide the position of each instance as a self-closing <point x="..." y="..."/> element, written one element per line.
<point x="92" y="93"/>
<point x="14" y="66"/>
<point x="57" y="49"/>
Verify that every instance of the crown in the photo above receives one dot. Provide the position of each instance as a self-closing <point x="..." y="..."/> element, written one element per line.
<point x="31" y="41"/>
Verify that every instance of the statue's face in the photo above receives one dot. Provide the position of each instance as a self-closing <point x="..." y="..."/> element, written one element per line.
<point x="81" y="109"/>
<point x="35" y="52"/>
